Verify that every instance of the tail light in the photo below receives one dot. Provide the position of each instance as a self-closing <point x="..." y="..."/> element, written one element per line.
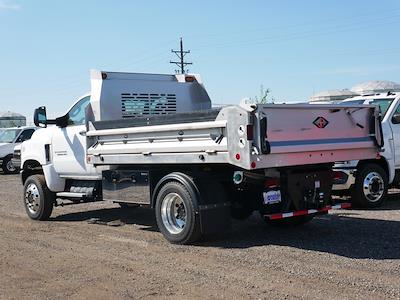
<point x="272" y="182"/>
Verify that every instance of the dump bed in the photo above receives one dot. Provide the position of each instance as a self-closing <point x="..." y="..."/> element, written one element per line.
<point x="249" y="137"/>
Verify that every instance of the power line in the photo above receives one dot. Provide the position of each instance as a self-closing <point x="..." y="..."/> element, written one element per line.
<point x="181" y="55"/>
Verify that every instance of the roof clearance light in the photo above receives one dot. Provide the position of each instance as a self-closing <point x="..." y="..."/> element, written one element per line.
<point x="190" y="78"/>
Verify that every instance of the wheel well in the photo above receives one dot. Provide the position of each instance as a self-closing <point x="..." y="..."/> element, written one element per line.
<point x="31" y="167"/>
<point x="380" y="162"/>
<point x="182" y="178"/>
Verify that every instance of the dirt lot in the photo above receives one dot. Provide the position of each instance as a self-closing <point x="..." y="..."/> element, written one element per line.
<point x="351" y="254"/>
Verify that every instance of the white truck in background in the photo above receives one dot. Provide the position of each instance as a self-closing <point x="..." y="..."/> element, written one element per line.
<point x="367" y="181"/>
<point x="148" y="139"/>
<point x="9" y="139"/>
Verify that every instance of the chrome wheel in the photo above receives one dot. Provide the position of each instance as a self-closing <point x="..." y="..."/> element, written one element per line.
<point x="10" y="166"/>
<point x="373" y="187"/>
<point x="173" y="213"/>
<point x="32" y="198"/>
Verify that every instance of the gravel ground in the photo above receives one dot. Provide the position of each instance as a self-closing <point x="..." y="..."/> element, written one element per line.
<point x="353" y="254"/>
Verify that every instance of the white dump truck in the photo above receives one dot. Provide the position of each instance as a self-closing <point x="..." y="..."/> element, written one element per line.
<point x="367" y="181"/>
<point x="147" y="139"/>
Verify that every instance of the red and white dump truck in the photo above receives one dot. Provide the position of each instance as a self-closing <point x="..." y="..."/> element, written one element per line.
<point x="154" y="140"/>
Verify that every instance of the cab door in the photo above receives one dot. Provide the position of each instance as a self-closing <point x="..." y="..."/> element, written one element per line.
<point x="69" y="143"/>
<point x="395" y="125"/>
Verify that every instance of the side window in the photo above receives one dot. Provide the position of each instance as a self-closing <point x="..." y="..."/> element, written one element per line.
<point x="76" y="115"/>
<point x="25" y="135"/>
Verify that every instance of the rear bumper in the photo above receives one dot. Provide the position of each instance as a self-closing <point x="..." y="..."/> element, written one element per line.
<point x="323" y="210"/>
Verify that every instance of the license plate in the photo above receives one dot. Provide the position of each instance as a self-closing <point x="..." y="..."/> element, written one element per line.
<point x="272" y="197"/>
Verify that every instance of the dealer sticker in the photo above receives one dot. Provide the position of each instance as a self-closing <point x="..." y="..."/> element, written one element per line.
<point x="272" y="197"/>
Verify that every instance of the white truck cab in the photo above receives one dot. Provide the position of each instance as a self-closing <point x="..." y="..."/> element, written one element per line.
<point x="9" y="139"/>
<point x="60" y="150"/>
<point x="367" y="181"/>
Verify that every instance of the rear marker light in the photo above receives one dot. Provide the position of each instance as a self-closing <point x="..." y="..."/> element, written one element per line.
<point x="189" y="78"/>
<point x="253" y="164"/>
<point x="237" y="156"/>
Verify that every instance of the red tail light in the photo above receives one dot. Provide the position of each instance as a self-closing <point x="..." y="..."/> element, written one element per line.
<point x="271" y="182"/>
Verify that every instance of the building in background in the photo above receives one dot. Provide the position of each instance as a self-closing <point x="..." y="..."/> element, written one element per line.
<point x="11" y="119"/>
<point x="332" y="96"/>
<point x="364" y="88"/>
<point x="375" y="87"/>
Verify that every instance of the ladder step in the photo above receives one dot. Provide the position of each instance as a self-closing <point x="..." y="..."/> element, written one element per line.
<point x="71" y="195"/>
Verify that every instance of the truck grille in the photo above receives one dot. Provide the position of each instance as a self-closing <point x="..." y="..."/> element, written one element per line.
<point x="137" y="105"/>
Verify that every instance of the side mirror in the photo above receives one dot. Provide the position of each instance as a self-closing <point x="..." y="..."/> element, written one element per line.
<point x="62" y="121"/>
<point x="396" y="119"/>
<point x="39" y="117"/>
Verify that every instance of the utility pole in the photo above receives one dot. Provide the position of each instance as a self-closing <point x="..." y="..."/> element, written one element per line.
<point x="181" y="63"/>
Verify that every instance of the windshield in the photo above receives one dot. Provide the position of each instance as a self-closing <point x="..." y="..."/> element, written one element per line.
<point x="8" y="135"/>
<point x="382" y="103"/>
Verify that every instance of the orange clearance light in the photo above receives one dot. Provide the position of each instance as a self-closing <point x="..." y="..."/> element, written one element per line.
<point x="237" y="156"/>
<point x="190" y="78"/>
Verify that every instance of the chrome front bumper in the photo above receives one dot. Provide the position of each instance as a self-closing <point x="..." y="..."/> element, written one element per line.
<point x="345" y="183"/>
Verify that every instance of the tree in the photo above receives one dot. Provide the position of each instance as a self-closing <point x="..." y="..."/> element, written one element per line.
<point x="263" y="98"/>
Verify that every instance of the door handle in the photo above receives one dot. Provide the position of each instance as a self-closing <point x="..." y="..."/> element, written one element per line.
<point x="83" y="133"/>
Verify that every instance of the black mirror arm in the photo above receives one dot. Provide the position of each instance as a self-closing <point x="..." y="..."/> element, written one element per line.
<point x="62" y="121"/>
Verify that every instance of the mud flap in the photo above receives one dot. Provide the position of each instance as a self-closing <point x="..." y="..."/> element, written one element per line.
<point x="215" y="218"/>
<point x="308" y="189"/>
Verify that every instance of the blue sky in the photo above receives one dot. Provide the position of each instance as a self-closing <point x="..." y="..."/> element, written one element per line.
<point x="294" y="48"/>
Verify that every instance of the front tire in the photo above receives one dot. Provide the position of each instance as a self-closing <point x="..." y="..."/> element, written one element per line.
<point x="8" y="167"/>
<point x="38" y="199"/>
<point x="371" y="186"/>
<point x="176" y="214"/>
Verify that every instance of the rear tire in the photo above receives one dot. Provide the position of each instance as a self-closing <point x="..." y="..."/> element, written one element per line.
<point x="38" y="199"/>
<point x="371" y="186"/>
<point x="8" y="167"/>
<point x="176" y="214"/>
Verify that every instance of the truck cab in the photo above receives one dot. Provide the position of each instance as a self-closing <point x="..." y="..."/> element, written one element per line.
<point x="59" y="149"/>
<point x="367" y="181"/>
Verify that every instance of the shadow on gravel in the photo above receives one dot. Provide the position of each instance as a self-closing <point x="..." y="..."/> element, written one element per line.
<point x="138" y="216"/>
<point x="344" y="234"/>
<point x="335" y="234"/>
